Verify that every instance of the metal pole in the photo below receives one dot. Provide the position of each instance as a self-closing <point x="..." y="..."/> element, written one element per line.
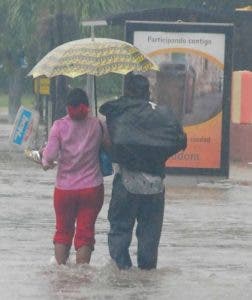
<point x="94" y="78"/>
<point x="90" y="91"/>
<point x="92" y="33"/>
<point x="91" y="80"/>
<point x="91" y="83"/>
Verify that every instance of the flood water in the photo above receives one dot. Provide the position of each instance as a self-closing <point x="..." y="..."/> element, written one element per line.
<point x="205" y="250"/>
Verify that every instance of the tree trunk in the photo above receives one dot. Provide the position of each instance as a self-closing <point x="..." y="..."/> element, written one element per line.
<point x="15" y="93"/>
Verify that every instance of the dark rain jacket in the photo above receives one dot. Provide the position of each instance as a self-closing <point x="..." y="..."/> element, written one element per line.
<point x="143" y="135"/>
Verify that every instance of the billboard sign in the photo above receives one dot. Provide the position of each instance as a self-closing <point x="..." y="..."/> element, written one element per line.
<point x="195" y="61"/>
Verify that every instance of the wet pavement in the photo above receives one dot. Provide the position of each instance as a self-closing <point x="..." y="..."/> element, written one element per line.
<point x="205" y="250"/>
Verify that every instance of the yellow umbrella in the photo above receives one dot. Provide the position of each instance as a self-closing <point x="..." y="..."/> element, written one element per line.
<point x="93" y="56"/>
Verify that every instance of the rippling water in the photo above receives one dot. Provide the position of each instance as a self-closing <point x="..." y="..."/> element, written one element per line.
<point x="205" y="250"/>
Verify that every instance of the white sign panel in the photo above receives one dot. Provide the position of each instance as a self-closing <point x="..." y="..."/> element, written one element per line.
<point x="210" y="43"/>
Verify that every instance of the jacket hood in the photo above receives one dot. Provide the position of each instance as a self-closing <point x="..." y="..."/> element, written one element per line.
<point x="118" y="106"/>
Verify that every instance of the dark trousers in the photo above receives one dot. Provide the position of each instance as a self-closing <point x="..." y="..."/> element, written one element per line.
<point x="126" y="208"/>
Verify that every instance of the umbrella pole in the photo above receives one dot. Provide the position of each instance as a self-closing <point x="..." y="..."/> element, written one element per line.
<point x="94" y="78"/>
<point x="91" y="90"/>
<point x="95" y="97"/>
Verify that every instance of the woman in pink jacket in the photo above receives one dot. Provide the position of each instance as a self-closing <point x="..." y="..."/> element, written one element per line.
<point x="74" y="141"/>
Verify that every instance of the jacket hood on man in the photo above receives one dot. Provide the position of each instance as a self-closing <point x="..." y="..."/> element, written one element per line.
<point x="120" y="105"/>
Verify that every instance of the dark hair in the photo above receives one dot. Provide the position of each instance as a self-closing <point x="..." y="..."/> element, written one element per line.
<point x="77" y="96"/>
<point x="136" y="86"/>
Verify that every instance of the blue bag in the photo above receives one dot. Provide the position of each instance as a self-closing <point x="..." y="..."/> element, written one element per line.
<point x="105" y="160"/>
<point x="105" y="163"/>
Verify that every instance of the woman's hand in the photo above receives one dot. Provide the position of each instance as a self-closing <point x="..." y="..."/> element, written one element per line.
<point x="45" y="168"/>
<point x="50" y="166"/>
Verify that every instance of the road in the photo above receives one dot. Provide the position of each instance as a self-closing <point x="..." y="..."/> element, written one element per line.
<point x="205" y="250"/>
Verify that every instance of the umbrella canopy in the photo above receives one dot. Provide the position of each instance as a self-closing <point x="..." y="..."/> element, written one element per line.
<point x="97" y="57"/>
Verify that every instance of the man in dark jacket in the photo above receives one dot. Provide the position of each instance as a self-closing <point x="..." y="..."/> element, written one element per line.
<point x="143" y="136"/>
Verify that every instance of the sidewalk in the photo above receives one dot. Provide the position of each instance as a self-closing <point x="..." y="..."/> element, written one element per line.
<point x="241" y="173"/>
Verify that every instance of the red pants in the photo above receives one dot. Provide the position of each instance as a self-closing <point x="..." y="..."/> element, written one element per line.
<point x="80" y="207"/>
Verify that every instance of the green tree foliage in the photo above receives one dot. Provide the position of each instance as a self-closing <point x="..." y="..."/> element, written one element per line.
<point x="30" y="28"/>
